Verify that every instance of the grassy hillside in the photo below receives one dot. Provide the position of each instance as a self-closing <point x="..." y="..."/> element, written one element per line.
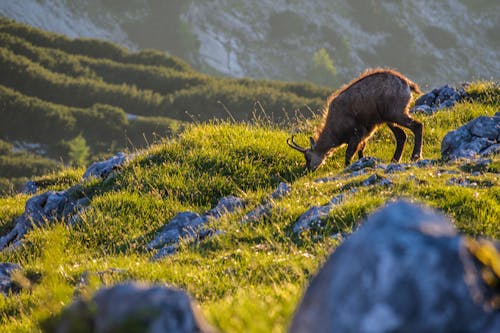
<point x="250" y="277"/>
<point x="54" y="89"/>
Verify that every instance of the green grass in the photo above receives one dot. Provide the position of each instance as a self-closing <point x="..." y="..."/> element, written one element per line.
<point x="251" y="277"/>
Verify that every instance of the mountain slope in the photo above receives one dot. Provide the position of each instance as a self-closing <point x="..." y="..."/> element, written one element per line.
<point x="248" y="276"/>
<point x="433" y="42"/>
<point x="59" y="95"/>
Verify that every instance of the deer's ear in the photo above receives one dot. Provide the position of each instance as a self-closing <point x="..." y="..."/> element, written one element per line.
<point x="312" y="142"/>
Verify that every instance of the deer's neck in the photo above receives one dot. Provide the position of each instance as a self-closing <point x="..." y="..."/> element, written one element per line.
<point x="325" y="141"/>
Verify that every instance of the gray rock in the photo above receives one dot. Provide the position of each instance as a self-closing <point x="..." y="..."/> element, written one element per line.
<point x="184" y="224"/>
<point x="281" y="191"/>
<point x="362" y="163"/>
<point x="424" y="109"/>
<point x="30" y="187"/>
<point x="327" y="179"/>
<point x="134" y="307"/>
<point x="43" y="209"/>
<point x="103" y="169"/>
<point x="190" y="225"/>
<point x="425" y="163"/>
<point x="395" y="167"/>
<point x="55" y="204"/>
<point x="165" y="251"/>
<point x="491" y="150"/>
<point x="405" y="270"/>
<point x="315" y="215"/>
<point x="266" y="207"/>
<point x="461" y="181"/>
<point x="479" y="137"/>
<point x="225" y="205"/>
<point x="439" y="98"/>
<point x="447" y="104"/>
<point x="312" y="218"/>
<point x="6" y="284"/>
<point x="62" y="205"/>
<point x="426" y="99"/>
<point x="258" y="213"/>
<point x="485" y="127"/>
<point x="376" y="179"/>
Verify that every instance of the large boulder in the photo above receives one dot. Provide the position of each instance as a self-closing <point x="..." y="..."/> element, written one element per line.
<point x="134" y="307"/>
<point x="405" y="270"/>
<point x="479" y="137"/>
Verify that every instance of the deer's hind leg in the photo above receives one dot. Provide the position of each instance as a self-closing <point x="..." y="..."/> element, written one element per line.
<point x="417" y="128"/>
<point x="361" y="149"/>
<point x="400" y="136"/>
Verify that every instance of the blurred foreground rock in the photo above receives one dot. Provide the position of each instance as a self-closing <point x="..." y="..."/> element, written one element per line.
<point x="405" y="270"/>
<point x="134" y="307"/>
<point x="479" y="137"/>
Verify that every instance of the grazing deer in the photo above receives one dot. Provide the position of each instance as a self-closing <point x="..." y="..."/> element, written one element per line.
<point x="355" y="111"/>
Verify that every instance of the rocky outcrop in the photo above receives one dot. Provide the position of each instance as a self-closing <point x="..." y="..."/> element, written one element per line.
<point x="439" y="98"/>
<point x="405" y="270"/>
<point x="43" y="209"/>
<point x="478" y="138"/>
<point x="190" y="225"/>
<point x="51" y="206"/>
<point x="134" y="307"/>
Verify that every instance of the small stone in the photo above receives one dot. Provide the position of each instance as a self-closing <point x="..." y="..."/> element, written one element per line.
<point x="312" y="218"/>
<point x="315" y="215"/>
<point x="30" y="187"/>
<point x="326" y="179"/>
<point x="426" y="109"/>
<point x="362" y="163"/>
<point x="225" y="205"/>
<point x="104" y="168"/>
<point x="376" y="179"/>
<point x="257" y="213"/>
<point x="6" y="284"/>
<point x="184" y="224"/>
<point x="425" y="163"/>
<point x="394" y="167"/>
<point x="282" y="190"/>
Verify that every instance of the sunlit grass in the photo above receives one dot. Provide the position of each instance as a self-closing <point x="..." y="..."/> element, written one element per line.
<point x="250" y="277"/>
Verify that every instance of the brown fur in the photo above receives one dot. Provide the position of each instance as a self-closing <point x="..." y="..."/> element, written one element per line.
<point x="355" y="111"/>
<point x="369" y="72"/>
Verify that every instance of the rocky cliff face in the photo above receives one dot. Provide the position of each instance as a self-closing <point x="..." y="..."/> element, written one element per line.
<point x="432" y="42"/>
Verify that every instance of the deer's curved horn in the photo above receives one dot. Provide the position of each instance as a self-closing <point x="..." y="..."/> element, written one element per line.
<point x="291" y="142"/>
